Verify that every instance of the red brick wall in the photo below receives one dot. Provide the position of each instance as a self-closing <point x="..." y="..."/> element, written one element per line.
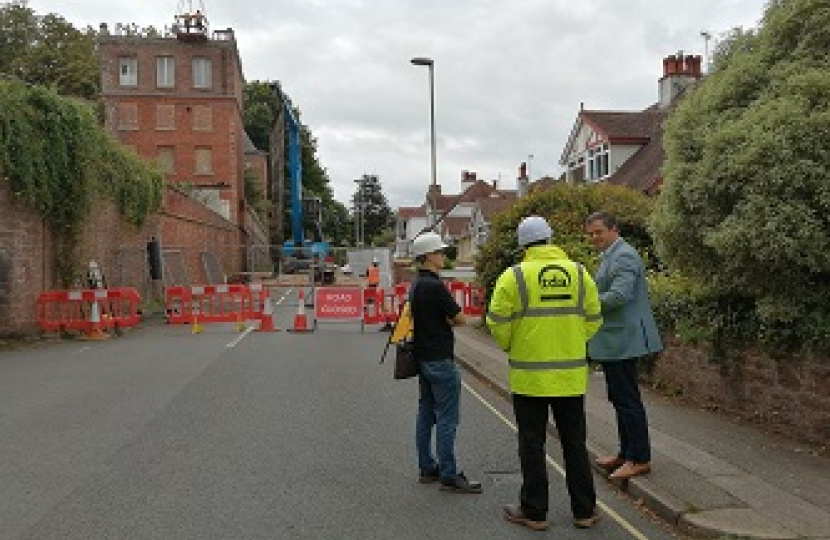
<point x="259" y="164"/>
<point x="786" y="395"/>
<point x="118" y="248"/>
<point x="24" y="267"/>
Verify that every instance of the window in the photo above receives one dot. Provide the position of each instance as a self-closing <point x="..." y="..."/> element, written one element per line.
<point x="128" y="116"/>
<point x="166" y="159"/>
<point x="165" y="117"/>
<point x="598" y="163"/>
<point x="128" y="71"/>
<point x="202" y="118"/>
<point x="165" y="72"/>
<point x="204" y="160"/>
<point x="201" y="73"/>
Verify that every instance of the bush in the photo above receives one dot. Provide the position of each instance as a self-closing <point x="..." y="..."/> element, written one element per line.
<point x="745" y="205"/>
<point x="565" y="206"/>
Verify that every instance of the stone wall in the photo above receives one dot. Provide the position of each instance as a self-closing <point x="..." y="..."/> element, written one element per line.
<point x="788" y="395"/>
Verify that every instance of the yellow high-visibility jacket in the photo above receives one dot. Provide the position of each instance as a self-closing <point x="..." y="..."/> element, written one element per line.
<point x="542" y="312"/>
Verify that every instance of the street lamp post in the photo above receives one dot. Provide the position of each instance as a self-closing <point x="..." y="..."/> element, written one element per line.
<point x="358" y="214"/>
<point x="420" y="61"/>
<point x="529" y="159"/>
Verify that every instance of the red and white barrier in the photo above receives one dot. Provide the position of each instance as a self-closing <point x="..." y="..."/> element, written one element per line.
<point x="90" y="311"/>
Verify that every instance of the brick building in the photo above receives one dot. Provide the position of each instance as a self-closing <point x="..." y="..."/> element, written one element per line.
<point x="177" y="99"/>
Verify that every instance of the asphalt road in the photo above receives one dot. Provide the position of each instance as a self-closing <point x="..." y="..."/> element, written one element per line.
<point x="161" y="434"/>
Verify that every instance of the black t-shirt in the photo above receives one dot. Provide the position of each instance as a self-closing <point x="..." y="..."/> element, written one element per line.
<point x="433" y="307"/>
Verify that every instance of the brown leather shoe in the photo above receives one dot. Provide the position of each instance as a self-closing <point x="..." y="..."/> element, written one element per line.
<point x="586" y="523"/>
<point x="514" y="514"/>
<point x="630" y="470"/>
<point x="609" y="463"/>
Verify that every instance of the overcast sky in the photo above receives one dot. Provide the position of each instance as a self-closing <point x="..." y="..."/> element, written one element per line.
<point x="509" y="74"/>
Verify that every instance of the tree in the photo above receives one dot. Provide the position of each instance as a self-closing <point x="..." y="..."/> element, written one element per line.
<point x="262" y="108"/>
<point x="565" y="206"/>
<point x="375" y="214"/>
<point x="746" y="196"/>
<point x="47" y="50"/>
<point x="337" y="224"/>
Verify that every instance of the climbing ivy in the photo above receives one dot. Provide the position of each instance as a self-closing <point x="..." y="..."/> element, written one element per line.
<point x="55" y="156"/>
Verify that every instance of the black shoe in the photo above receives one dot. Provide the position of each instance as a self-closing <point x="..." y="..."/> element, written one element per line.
<point x="460" y="484"/>
<point x="429" y="477"/>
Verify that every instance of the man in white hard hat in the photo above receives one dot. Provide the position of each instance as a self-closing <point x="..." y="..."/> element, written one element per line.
<point x="542" y="312"/>
<point x="434" y="312"/>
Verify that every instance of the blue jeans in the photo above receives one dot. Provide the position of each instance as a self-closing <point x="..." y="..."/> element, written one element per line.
<point x="440" y="387"/>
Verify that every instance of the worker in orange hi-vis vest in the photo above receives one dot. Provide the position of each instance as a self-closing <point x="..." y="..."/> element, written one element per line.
<point x="373" y="275"/>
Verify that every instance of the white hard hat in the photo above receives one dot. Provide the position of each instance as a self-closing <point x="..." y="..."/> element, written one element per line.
<point x="427" y="243"/>
<point x="533" y="229"/>
<point x="374" y="260"/>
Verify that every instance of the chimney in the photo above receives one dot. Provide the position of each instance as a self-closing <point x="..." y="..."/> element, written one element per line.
<point x="679" y="72"/>
<point x="522" y="182"/>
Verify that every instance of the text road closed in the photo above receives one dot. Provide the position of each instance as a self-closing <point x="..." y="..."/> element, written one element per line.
<point x="338" y="303"/>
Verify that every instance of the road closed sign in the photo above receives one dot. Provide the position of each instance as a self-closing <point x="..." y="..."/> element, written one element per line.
<point x="338" y="303"/>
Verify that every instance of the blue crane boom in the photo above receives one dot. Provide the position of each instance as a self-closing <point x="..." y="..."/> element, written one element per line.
<point x="303" y="211"/>
<point x="295" y="174"/>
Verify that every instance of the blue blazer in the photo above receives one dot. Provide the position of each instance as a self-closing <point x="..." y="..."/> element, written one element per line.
<point x="628" y="328"/>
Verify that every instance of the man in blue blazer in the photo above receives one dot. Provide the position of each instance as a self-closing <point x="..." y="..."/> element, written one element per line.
<point x="628" y="333"/>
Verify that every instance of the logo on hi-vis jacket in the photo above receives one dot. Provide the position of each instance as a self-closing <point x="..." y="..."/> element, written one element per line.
<point x="554" y="283"/>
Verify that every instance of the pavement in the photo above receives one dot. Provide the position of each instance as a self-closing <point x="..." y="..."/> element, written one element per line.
<point x="710" y="476"/>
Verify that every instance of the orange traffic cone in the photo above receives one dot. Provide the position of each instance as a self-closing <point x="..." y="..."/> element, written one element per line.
<point x="266" y="323"/>
<point x="300" y="319"/>
<point x="95" y="332"/>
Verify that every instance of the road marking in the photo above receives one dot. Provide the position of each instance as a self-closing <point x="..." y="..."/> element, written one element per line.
<point x="284" y="296"/>
<point x="233" y="343"/>
<point x="82" y="349"/>
<point x="636" y="533"/>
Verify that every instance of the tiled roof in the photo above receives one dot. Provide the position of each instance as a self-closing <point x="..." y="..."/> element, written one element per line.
<point x="476" y="191"/>
<point x="624" y="127"/>
<point x="642" y="170"/>
<point x="492" y="206"/>
<point x="445" y="203"/>
<point x="406" y="212"/>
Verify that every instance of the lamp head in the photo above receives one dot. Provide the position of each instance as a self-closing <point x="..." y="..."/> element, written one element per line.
<point x="419" y="61"/>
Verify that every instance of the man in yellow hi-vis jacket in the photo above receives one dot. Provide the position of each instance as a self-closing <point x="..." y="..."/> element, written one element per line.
<point x="542" y="312"/>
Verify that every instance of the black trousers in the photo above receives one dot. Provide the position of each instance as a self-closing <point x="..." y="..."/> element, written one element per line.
<point x="532" y="420"/>
<point x="624" y="395"/>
